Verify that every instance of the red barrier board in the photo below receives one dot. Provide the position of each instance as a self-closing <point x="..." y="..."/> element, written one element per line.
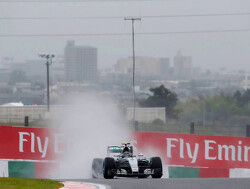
<point x="197" y="150"/>
<point x="30" y="143"/>
<point x="213" y="173"/>
<point x="175" y="149"/>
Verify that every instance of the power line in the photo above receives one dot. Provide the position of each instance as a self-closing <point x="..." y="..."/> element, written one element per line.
<point x="122" y="17"/>
<point x="70" y="1"/>
<point x="125" y="34"/>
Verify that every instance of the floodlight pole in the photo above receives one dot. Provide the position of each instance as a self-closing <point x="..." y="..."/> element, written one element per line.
<point x="48" y="63"/>
<point x="132" y="19"/>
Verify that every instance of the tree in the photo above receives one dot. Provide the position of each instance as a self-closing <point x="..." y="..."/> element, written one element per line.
<point x="218" y="110"/>
<point x="245" y="98"/>
<point x="162" y="97"/>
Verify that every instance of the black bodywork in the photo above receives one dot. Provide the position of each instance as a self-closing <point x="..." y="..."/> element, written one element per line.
<point x="123" y="164"/>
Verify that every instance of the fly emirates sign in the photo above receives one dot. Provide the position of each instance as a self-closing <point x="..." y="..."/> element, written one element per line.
<point x="197" y="150"/>
<point x="30" y="143"/>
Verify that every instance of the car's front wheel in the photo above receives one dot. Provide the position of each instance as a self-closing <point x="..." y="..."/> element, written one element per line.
<point x="156" y="166"/>
<point x="108" y="168"/>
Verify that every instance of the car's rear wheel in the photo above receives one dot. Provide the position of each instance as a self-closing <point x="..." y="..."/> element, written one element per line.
<point x="156" y="166"/>
<point x="109" y="168"/>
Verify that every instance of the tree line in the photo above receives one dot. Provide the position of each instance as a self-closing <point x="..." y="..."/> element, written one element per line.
<point x="219" y="110"/>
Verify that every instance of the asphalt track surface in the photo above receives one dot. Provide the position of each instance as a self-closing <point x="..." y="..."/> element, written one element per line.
<point x="173" y="183"/>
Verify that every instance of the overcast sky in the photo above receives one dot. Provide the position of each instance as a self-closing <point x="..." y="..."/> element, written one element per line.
<point x="208" y="50"/>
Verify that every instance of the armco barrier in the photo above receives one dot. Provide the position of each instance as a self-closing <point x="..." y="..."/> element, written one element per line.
<point x="21" y="169"/>
<point x="196" y="172"/>
<point x="183" y="172"/>
<point x="33" y="152"/>
<point x="26" y="169"/>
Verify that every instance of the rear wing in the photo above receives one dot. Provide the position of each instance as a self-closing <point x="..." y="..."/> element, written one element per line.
<point x="117" y="149"/>
<point x="126" y="143"/>
<point x="113" y="149"/>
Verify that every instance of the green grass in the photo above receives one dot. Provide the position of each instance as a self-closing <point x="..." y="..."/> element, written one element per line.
<point x="20" y="183"/>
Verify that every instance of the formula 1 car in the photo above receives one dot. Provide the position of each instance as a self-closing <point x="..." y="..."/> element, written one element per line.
<point x="122" y="163"/>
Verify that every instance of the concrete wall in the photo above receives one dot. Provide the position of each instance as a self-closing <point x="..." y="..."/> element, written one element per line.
<point x="17" y="114"/>
<point x="147" y="115"/>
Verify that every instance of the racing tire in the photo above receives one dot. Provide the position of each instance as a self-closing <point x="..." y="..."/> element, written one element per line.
<point x="97" y="168"/>
<point x="108" y="168"/>
<point x="156" y="166"/>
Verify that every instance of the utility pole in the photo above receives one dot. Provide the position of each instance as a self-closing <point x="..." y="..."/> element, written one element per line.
<point x="48" y="63"/>
<point x="132" y="19"/>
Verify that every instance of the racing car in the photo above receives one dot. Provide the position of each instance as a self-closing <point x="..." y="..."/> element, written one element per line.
<point x="121" y="162"/>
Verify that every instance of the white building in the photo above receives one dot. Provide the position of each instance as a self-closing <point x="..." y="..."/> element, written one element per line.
<point x="245" y="84"/>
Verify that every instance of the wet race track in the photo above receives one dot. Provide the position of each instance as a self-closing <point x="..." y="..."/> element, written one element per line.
<point x="189" y="183"/>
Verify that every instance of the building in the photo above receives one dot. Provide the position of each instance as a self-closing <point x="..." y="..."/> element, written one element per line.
<point x="6" y="62"/>
<point x="143" y="65"/>
<point x="57" y="69"/>
<point x="80" y="63"/>
<point x="30" y="67"/>
<point x="165" y="66"/>
<point x="182" y="66"/>
<point x="245" y="84"/>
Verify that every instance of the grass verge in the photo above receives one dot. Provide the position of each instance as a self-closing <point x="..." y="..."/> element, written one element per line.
<point x="21" y="183"/>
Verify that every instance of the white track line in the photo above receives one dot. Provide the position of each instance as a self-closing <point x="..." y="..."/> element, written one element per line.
<point x="83" y="185"/>
<point x="99" y="186"/>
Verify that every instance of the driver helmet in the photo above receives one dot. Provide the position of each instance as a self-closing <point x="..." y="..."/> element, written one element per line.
<point x="126" y="149"/>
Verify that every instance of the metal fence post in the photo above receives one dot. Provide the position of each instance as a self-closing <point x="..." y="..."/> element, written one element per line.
<point x="248" y="131"/>
<point x="192" y="128"/>
<point x="26" y="121"/>
<point x="136" y="126"/>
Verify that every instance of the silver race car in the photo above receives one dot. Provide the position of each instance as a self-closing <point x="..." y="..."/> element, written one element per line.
<point x="121" y="162"/>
